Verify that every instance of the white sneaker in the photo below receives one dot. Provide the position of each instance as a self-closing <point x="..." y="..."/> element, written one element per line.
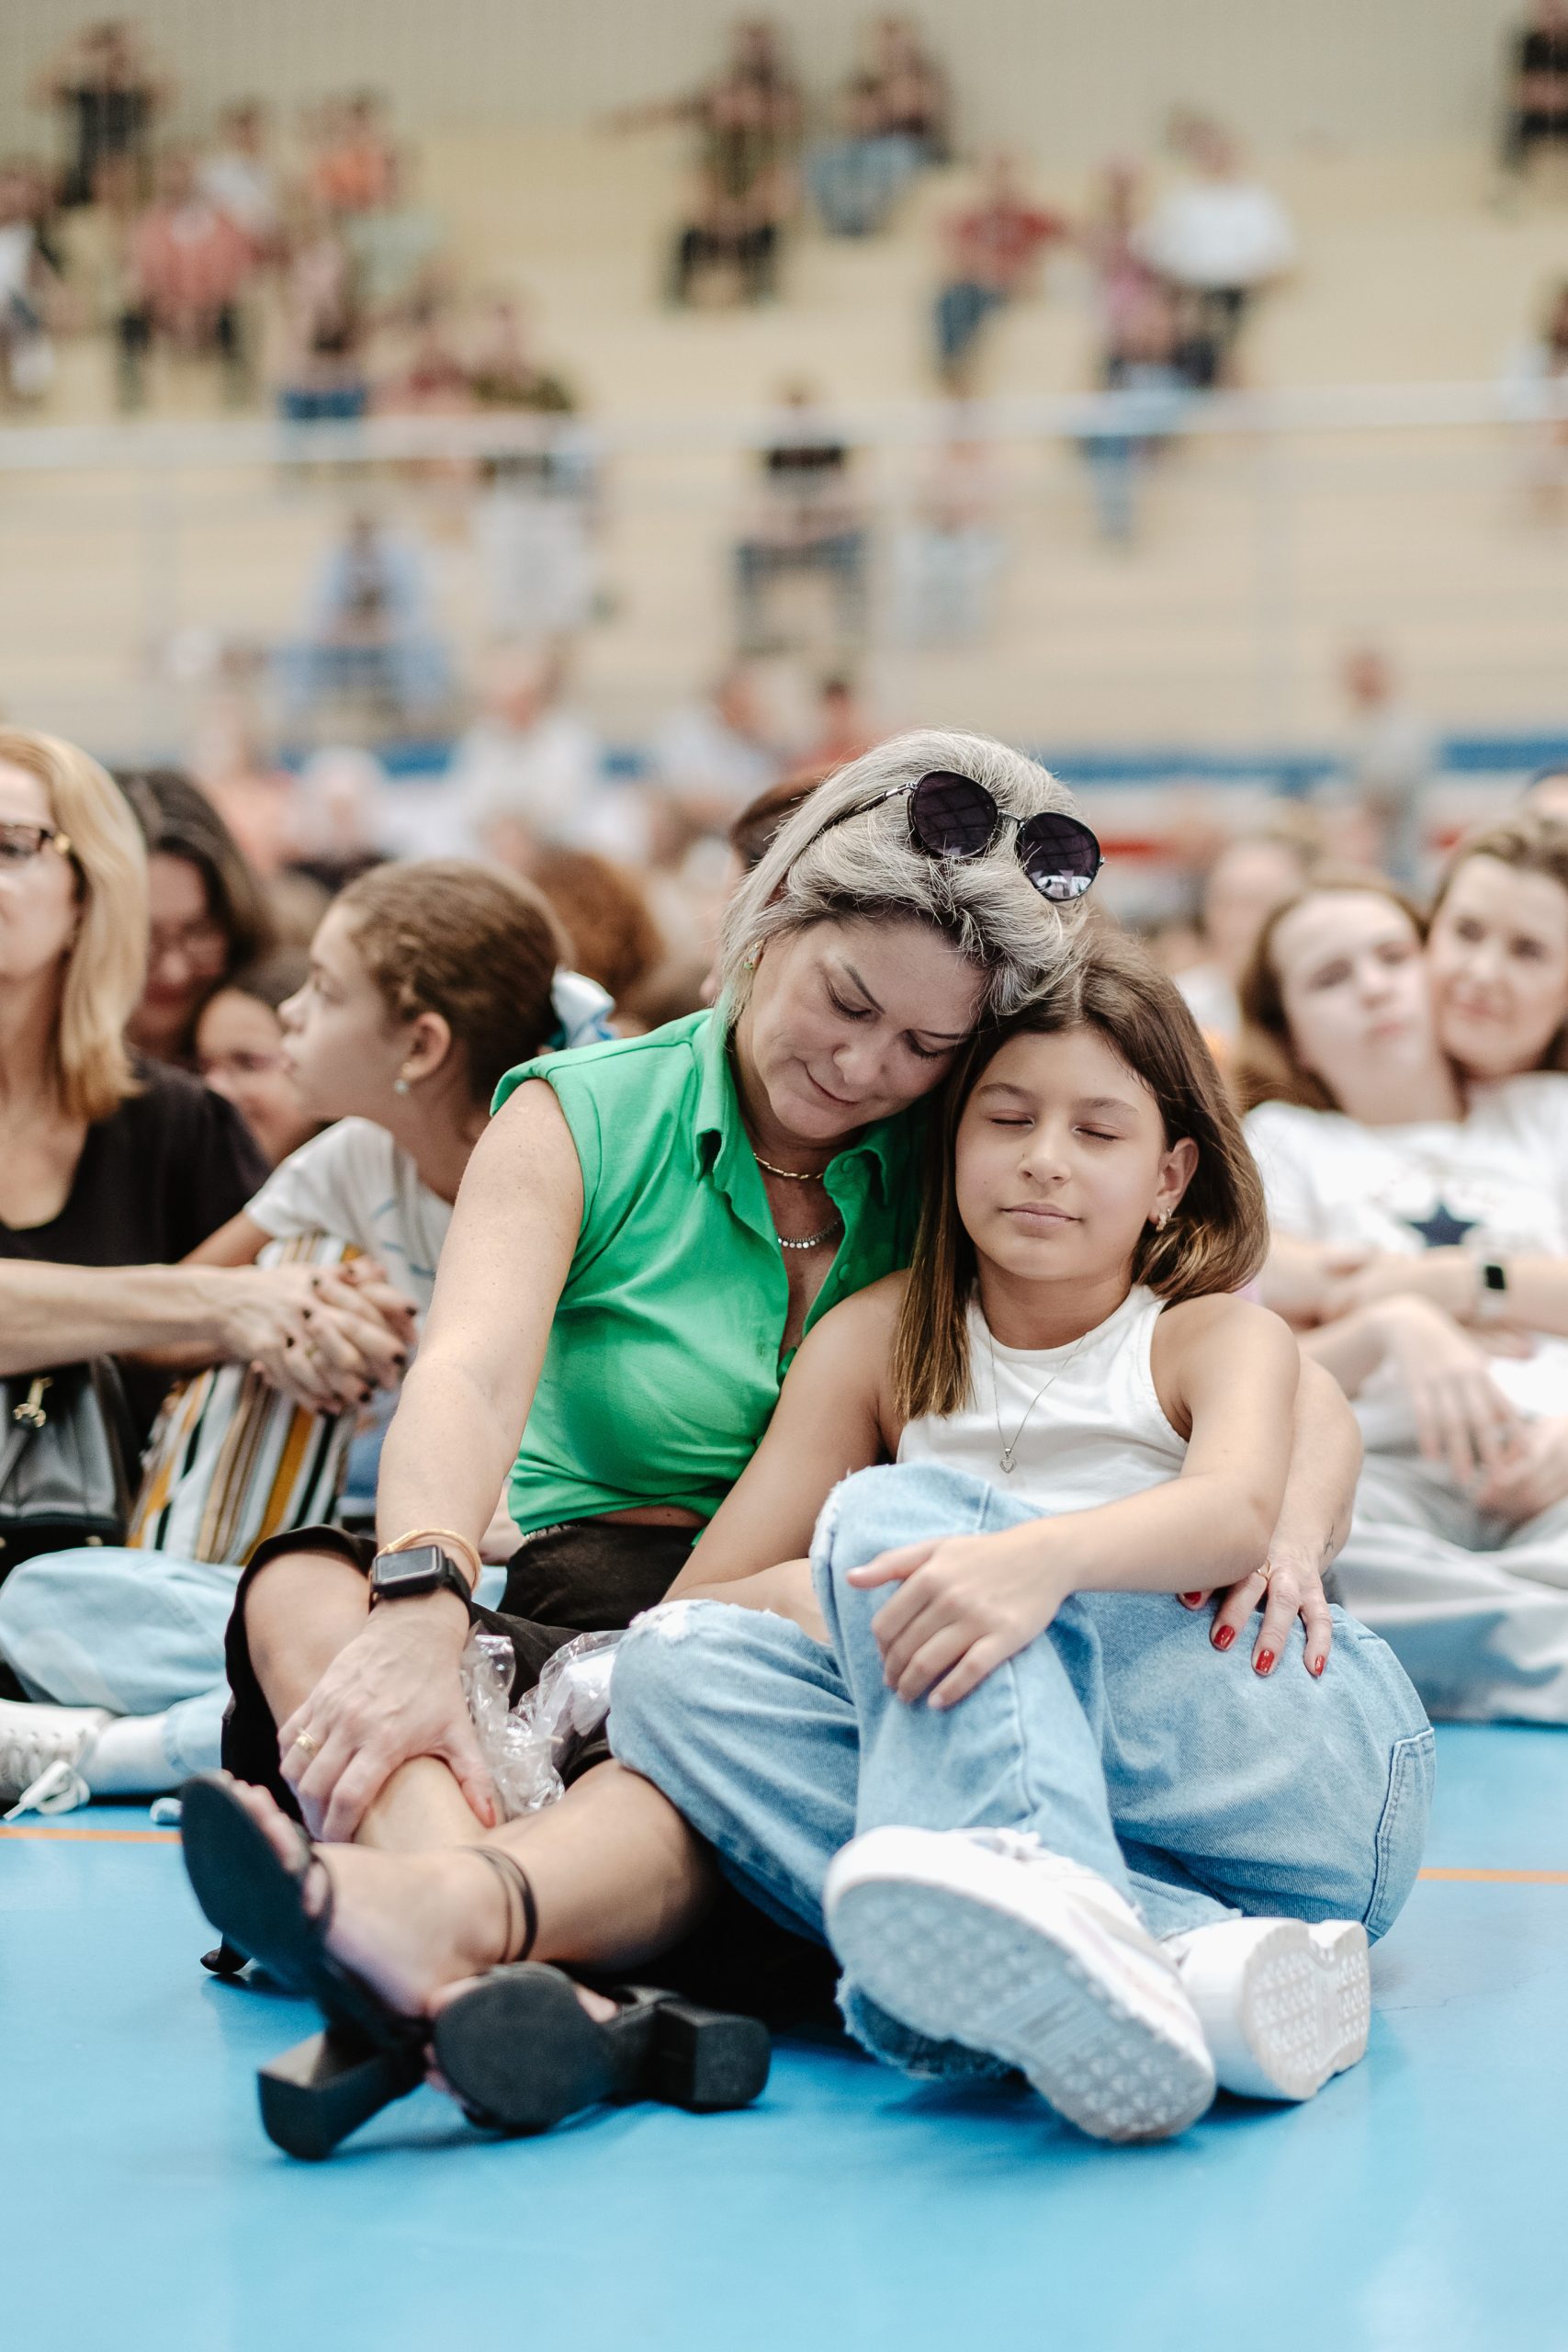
<point x="42" y="1751"/>
<point x="983" y="1937"/>
<point x="1283" y="2005"/>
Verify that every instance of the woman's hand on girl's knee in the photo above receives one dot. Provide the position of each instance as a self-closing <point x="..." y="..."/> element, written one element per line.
<point x="1285" y="1590"/>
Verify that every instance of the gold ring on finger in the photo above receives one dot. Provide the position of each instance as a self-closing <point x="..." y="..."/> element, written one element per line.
<point x="303" y="1740"/>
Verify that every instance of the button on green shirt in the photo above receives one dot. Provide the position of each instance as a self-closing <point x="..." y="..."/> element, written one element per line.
<point x="663" y="1362"/>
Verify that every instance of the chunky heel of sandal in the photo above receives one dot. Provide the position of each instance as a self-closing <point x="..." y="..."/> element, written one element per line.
<point x="522" y="2053"/>
<point x="316" y="2094"/>
<point x="705" y="2061"/>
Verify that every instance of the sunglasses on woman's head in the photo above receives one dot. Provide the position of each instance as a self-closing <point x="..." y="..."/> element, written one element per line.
<point x="952" y="816"/>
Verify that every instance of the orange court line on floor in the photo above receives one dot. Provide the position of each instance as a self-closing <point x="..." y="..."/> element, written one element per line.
<point x="1505" y="1878"/>
<point x="172" y="1837"/>
<point x="99" y="1836"/>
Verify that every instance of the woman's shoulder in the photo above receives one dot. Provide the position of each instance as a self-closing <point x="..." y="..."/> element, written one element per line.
<point x="1536" y="1101"/>
<point x="165" y="1097"/>
<point x="171" y="1110"/>
<point x="1293" y="1121"/>
<point x="352" y="1149"/>
<point x="658" y="1060"/>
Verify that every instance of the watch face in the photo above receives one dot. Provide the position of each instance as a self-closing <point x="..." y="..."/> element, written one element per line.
<point x="1495" y="1277"/>
<point x="403" y="1574"/>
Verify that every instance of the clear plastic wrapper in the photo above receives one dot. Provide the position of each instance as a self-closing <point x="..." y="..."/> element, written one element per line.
<point x="524" y="1746"/>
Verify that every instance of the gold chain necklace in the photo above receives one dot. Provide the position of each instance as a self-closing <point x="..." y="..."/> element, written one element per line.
<point x="1009" y="1452"/>
<point x="795" y="1175"/>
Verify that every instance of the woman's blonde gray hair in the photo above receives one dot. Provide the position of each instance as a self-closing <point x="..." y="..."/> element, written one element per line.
<point x="818" y="870"/>
<point x="107" y="965"/>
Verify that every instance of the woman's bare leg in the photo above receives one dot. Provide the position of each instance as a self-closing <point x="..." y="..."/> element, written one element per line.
<point x="617" y="1878"/>
<point x="302" y="1611"/>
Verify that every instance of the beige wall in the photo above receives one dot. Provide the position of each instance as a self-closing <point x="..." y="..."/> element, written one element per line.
<point x="1067" y="78"/>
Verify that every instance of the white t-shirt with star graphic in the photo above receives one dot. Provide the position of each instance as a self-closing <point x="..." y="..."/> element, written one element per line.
<point x="1494" y="1184"/>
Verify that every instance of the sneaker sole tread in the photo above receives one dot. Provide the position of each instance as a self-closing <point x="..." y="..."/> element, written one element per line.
<point x="954" y="1967"/>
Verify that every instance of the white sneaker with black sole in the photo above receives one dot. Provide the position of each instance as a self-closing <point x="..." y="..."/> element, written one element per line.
<point x="1283" y="2005"/>
<point x="985" y="1938"/>
<point x="42" y="1751"/>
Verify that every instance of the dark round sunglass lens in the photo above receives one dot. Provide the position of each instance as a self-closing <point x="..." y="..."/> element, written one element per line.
<point x="1060" y="856"/>
<point x="953" y="816"/>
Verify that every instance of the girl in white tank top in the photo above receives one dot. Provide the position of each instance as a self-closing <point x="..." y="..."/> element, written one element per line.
<point x="1089" y="1423"/>
<point x="1069" y="1335"/>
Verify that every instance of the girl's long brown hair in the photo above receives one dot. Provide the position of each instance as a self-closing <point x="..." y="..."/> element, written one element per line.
<point x="1216" y="1239"/>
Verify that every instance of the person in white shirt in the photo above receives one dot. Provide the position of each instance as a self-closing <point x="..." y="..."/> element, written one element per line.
<point x="530" y="770"/>
<point x="1252" y="874"/>
<point x="1219" y="237"/>
<point x="238" y="177"/>
<point x="1370" y="1143"/>
<point x="1389" y="757"/>
<point x="426" y="982"/>
<point x="715" y="755"/>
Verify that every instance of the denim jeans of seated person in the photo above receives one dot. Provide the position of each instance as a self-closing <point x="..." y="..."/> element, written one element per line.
<point x="139" y="1633"/>
<point x="1120" y="1736"/>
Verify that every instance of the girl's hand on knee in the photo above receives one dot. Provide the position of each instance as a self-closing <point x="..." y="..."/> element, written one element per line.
<point x="1285" y="1590"/>
<point x="965" y="1605"/>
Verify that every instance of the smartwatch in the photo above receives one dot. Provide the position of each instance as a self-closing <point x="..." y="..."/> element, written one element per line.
<point x="1492" y="1298"/>
<point x="408" y="1575"/>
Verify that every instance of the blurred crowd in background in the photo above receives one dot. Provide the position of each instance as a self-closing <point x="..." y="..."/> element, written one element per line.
<point x="301" y="262"/>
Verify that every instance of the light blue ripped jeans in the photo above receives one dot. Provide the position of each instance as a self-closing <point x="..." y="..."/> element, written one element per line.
<point x="1197" y="1788"/>
<point x="140" y="1633"/>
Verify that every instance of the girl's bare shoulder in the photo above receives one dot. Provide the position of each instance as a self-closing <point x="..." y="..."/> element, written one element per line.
<point x="1220" y="1320"/>
<point x="867" y="1319"/>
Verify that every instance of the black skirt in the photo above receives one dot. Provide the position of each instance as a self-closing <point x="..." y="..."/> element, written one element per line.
<point x="586" y="1577"/>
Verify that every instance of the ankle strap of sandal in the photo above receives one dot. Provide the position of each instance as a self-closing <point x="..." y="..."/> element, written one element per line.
<point x="522" y="1914"/>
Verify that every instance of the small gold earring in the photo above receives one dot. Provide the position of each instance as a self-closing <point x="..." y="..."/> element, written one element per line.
<point x="1162" y="1220"/>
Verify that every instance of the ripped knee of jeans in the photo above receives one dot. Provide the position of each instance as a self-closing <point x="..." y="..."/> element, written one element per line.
<point x="662" y="1662"/>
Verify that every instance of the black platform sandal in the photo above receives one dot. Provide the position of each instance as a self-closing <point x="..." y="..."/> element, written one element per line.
<point x="369" y="2054"/>
<point x="522" y="2053"/>
<point x="519" y="2051"/>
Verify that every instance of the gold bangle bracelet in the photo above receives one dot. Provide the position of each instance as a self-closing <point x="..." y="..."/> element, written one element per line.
<point x="444" y="1534"/>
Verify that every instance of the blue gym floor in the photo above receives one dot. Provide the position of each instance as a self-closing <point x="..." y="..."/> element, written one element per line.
<point x="1419" y="2203"/>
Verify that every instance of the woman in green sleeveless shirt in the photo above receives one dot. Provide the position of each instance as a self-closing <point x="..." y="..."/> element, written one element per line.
<point x="645" y="1233"/>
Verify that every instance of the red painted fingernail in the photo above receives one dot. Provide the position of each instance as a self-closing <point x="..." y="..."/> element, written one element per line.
<point x="1318" y="1664"/>
<point x="1225" y="1637"/>
<point x="1264" y="1661"/>
<point x="1190" y="1600"/>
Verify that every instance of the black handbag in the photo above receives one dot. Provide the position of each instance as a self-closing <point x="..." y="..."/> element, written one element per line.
<point x="67" y="1454"/>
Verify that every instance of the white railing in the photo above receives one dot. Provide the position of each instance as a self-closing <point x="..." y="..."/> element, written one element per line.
<point x="260" y="441"/>
<point x="1288" y="521"/>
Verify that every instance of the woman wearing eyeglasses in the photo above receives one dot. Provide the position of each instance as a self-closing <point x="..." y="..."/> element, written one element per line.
<point x="209" y="916"/>
<point x="113" y="1167"/>
<point x="645" y="1233"/>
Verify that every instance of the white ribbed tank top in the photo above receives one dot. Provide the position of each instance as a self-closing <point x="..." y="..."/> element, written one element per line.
<point x="1098" y="1433"/>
